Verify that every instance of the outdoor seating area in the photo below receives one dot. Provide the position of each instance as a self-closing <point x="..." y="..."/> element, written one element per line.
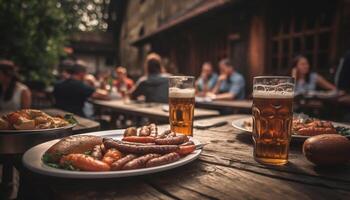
<point x="161" y="99"/>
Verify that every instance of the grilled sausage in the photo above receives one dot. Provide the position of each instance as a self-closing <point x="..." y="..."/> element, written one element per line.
<point x="145" y="131"/>
<point x="119" y="164"/>
<point x="139" y="162"/>
<point x="139" y="139"/>
<point x="84" y="162"/>
<point x="162" y="160"/>
<point x="131" y="131"/>
<point x="111" y="156"/>
<point x="72" y="144"/>
<point x="179" y="139"/>
<point x="97" y="152"/>
<point x="153" y="129"/>
<point x="139" y="149"/>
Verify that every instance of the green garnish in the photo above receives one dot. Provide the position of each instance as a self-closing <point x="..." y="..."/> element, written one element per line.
<point x="70" y="118"/>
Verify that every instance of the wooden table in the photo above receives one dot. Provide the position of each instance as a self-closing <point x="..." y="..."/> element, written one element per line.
<point x="10" y="160"/>
<point x="235" y="105"/>
<point x="154" y="111"/>
<point x="225" y="170"/>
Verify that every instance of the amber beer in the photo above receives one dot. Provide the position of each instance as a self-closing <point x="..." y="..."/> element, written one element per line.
<point x="181" y="104"/>
<point x="272" y="120"/>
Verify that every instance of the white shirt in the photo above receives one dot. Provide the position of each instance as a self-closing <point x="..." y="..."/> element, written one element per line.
<point x="15" y="102"/>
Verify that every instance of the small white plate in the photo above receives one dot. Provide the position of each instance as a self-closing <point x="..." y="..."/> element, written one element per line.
<point x="32" y="160"/>
<point x="239" y="124"/>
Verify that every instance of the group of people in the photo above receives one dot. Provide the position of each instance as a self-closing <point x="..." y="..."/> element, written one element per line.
<point x="229" y="85"/>
<point x="75" y="86"/>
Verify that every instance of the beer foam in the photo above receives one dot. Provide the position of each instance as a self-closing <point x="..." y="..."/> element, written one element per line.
<point x="280" y="91"/>
<point x="181" y="93"/>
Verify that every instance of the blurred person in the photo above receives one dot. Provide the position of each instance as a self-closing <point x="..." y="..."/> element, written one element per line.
<point x="64" y="67"/>
<point x="123" y="83"/>
<point x="305" y="80"/>
<point x="14" y="95"/>
<point x="72" y="93"/>
<point x="230" y="84"/>
<point x="158" y="58"/>
<point x="154" y="87"/>
<point x="207" y="80"/>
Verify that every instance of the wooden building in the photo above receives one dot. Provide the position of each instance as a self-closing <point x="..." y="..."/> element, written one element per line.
<point x="259" y="36"/>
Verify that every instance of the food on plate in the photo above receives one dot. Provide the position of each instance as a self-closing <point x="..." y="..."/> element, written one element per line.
<point x="131" y="131"/>
<point x="303" y="125"/>
<point x="140" y="162"/>
<point x="111" y="156"/>
<point x="327" y="149"/>
<point x="162" y="160"/>
<point x="93" y="153"/>
<point x="71" y="144"/>
<point x="179" y="139"/>
<point x="119" y="164"/>
<point x="140" y="139"/>
<point x="139" y="149"/>
<point x="83" y="162"/>
<point x="312" y="127"/>
<point x="30" y="119"/>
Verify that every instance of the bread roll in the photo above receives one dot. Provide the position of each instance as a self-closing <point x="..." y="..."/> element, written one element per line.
<point x="327" y="149"/>
<point x="71" y="144"/>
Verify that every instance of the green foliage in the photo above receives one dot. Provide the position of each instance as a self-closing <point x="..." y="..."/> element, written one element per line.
<point x="34" y="32"/>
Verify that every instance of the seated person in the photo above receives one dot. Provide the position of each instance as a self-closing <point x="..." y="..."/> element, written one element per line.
<point x="71" y="94"/>
<point x="230" y="84"/>
<point x="207" y="80"/>
<point x="123" y="83"/>
<point x="305" y="80"/>
<point x="14" y="95"/>
<point x="154" y="87"/>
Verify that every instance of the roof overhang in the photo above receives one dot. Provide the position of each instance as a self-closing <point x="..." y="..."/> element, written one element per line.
<point x="205" y="8"/>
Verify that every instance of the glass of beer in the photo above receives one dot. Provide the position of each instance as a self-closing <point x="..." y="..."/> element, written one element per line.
<point x="181" y="104"/>
<point x="272" y="118"/>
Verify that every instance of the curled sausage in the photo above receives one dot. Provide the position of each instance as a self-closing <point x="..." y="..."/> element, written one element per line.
<point x="145" y="131"/>
<point x="179" y="139"/>
<point x="139" y="162"/>
<point x="131" y="131"/>
<point x="84" y="162"/>
<point x="139" y="149"/>
<point x="153" y="129"/>
<point x="111" y="156"/>
<point x="97" y="152"/>
<point x="119" y="164"/>
<point x="139" y="139"/>
<point x="162" y="160"/>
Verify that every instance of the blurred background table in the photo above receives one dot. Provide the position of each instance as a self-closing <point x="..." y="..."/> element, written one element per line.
<point x="235" y="105"/>
<point x="156" y="112"/>
<point x="225" y="170"/>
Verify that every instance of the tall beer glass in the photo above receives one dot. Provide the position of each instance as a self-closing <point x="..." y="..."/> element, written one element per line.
<point x="272" y="118"/>
<point x="181" y="104"/>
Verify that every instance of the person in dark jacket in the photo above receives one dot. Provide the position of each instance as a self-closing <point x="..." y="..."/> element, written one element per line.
<point x="71" y="93"/>
<point x="154" y="87"/>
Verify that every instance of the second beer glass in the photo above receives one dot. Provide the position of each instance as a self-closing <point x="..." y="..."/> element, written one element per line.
<point x="181" y="104"/>
<point x="272" y="118"/>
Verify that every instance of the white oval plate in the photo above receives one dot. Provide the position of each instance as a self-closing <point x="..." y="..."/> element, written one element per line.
<point x="239" y="124"/>
<point x="32" y="160"/>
